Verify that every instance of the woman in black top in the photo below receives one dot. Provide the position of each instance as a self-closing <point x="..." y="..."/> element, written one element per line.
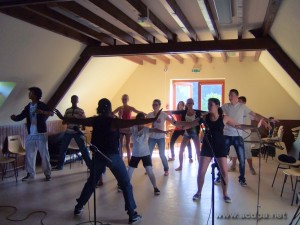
<point x="213" y="144"/>
<point x="105" y="137"/>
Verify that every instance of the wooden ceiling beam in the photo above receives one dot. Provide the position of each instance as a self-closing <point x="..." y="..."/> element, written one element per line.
<point x="50" y="14"/>
<point x="157" y="23"/>
<point x="148" y="59"/>
<point x="178" y="58"/>
<point x="224" y="56"/>
<point x="182" y="47"/>
<point x="123" y="18"/>
<point x="208" y="57"/>
<point x="134" y="59"/>
<point x="194" y="58"/>
<point x="15" y="3"/>
<point x="175" y="11"/>
<point x="67" y="82"/>
<point x="163" y="58"/>
<point x="95" y="19"/>
<point x="270" y="15"/>
<point x="37" y="20"/>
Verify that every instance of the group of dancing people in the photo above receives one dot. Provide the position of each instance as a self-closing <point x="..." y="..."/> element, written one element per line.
<point x="108" y="131"/>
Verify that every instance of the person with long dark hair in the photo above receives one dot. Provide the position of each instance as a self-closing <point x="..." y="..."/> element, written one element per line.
<point x="213" y="144"/>
<point x="105" y="137"/>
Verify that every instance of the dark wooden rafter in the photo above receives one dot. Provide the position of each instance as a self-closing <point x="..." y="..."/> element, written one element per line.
<point x="163" y="58"/>
<point x="178" y="58"/>
<point x="68" y="81"/>
<point x="148" y="59"/>
<point x="134" y="59"/>
<point x="194" y="58"/>
<point x="95" y="19"/>
<point x="281" y="57"/>
<point x="122" y="17"/>
<point x="50" y="14"/>
<point x="182" y="47"/>
<point x="207" y="57"/>
<point x="14" y="3"/>
<point x="159" y="25"/>
<point x="271" y="13"/>
<point x="24" y="14"/>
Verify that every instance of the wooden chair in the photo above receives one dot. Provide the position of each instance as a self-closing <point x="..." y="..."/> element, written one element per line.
<point x="294" y="172"/>
<point x="74" y="152"/>
<point x="15" y="148"/>
<point x="4" y="162"/>
<point x="281" y="164"/>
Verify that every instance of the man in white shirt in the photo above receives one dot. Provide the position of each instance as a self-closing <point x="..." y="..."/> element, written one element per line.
<point x="238" y="111"/>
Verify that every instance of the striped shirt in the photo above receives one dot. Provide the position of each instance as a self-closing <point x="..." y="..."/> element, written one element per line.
<point x="74" y="113"/>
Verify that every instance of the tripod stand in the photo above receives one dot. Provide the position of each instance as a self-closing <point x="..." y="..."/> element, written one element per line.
<point x="95" y="151"/>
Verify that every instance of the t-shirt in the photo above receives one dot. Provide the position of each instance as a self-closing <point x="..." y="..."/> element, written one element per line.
<point x="159" y="124"/>
<point x="33" y="119"/>
<point x="74" y="113"/>
<point x="140" y="141"/>
<point x="237" y="112"/>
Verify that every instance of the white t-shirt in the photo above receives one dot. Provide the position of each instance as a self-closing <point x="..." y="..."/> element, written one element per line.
<point x="140" y="141"/>
<point x="33" y="119"/>
<point x="159" y="124"/>
<point x="238" y="112"/>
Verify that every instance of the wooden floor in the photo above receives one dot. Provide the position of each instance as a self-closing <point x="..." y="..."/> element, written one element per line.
<point x="173" y="206"/>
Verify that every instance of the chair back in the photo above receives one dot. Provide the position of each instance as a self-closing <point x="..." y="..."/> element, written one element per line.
<point x="15" y="145"/>
<point x="280" y="133"/>
<point x="73" y="144"/>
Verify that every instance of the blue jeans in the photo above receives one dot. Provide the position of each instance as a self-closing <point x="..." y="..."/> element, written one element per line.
<point x="174" y="137"/>
<point x="161" y="143"/>
<point x="79" y="138"/>
<point x="118" y="169"/>
<point x="238" y="144"/>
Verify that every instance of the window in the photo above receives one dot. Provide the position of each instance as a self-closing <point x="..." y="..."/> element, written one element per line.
<point x="5" y="89"/>
<point x="199" y="90"/>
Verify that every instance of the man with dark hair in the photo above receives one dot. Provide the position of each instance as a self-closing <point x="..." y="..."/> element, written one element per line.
<point x="73" y="131"/>
<point x="36" y="114"/>
<point x="238" y="111"/>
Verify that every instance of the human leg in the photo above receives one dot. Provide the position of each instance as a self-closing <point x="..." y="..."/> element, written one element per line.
<point x="238" y="144"/>
<point x="203" y="165"/>
<point x="161" y="143"/>
<point x="181" y="151"/>
<point x="42" y="145"/>
<point x="63" y="150"/>
<point x="80" y="140"/>
<point x="151" y="143"/>
<point x="174" y="137"/>
<point x="189" y="146"/>
<point x="127" y="145"/>
<point x="121" y="144"/>
<point x="222" y="162"/>
<point x="30" y="157"/>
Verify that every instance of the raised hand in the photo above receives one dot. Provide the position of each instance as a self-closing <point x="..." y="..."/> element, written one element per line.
<point x="58" y="113"/>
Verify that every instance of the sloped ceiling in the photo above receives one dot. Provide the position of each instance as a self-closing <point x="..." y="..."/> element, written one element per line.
<point x="286" y="31"/>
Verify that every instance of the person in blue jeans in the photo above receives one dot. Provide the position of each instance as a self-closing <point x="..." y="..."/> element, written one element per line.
<point x="73" y="131"/>
<point x="105" y="137"/>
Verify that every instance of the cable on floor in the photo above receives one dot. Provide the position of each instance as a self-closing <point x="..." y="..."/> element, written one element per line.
<point x="26" y="217"/>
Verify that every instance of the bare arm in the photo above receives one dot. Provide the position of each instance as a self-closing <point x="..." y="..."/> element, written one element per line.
<point x="117" y="110"/>
<point x="184" y="125"/>
<point x="155" y="130"/>
<point x="260" y="118"/>
<point x="82" y="121"/>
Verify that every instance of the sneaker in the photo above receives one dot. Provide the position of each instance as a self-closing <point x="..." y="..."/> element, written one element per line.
<point x="227" y="199"/>
<point x="48" y="177"/>
<point x="191" y="160"/>
<point x="243" y="183"/>
<point x="166" y="173"/>
<point x="27" y="177"/>
<point x="156" y="191"/>
<point x="196" y="197"/>
<point x="78" y="210"/>
<point x="252" y="170"/>
<point x="178" y="168"/>
<point x="171" y="159"/>
<point x="231" y="169"/>
<point x="135" y="218"/>
<point x="56" y="168"/>
<point x="217" y="180"/>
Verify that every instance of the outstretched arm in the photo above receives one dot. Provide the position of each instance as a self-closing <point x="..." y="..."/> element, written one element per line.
<point x="259" y="118"/>
<point x="82" y="121"/>
<point x="119" y="123"/>
<point x="155" y="130"/>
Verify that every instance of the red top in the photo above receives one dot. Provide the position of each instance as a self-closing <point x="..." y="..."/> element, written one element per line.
<point x="126" y="114"/>
<point x="177" y="118"/>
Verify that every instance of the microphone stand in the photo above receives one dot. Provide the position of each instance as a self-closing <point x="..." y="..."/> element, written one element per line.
<point x="213" y="166"/>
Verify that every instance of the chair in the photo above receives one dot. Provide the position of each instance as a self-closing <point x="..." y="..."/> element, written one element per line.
<point x="74" y="152"/>
<point x="4" y="162"/>
<point x="275" y="139"/>
<point x="15" y="148"/>
<point x="294" y="172"/>
<point x="281" y="164"/>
